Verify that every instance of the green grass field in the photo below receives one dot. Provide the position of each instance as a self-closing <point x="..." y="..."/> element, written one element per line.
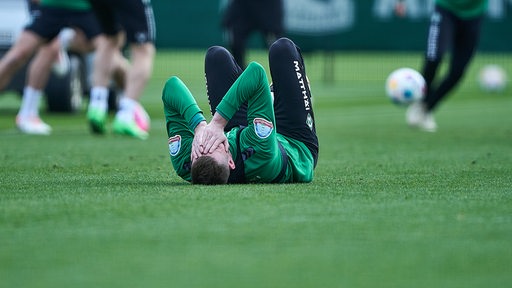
<point x="389" y="206"/>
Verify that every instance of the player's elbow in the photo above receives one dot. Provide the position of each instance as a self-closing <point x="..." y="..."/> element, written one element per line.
<point x="171" y="86"/>
<point x="257" y="71"/>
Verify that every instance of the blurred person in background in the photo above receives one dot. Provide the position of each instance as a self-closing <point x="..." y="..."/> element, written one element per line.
<point x="50" y="35"/>
<point x="136" y="18"/>
<point x="244" y="17"/>
<point x="454" y="27"/>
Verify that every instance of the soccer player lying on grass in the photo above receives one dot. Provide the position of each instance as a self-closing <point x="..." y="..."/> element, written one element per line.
<point x="245" y="142"/>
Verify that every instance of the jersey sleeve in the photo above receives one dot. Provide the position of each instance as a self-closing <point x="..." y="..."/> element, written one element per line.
<point x="179" y="104"/>
<point x="252" y="86"/>
<point x="182" y="114"/>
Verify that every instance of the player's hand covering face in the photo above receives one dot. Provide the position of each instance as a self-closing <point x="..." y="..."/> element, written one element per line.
<point x="211" y="137"/>
<point x="197" y="144"/>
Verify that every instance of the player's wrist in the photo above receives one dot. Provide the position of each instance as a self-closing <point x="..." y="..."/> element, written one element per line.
<point x="218" y="121"/>
<point x="200" y="126"/>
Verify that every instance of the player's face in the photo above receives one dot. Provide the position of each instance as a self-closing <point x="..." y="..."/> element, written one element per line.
<point x="221" y="156"/>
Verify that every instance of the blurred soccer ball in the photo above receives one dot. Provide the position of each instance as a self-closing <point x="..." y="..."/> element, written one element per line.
<point x="492" y="78"/>
<point x="405" y="86"/>
<point x="141" y="117"/>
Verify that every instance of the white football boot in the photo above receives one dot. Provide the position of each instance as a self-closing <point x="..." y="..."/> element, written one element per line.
<point x="418" y="117"/>
<point x="33" y="126"/>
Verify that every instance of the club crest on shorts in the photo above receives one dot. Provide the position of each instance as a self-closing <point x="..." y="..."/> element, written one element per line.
<point x="174" y="145"/>
<point x="309" y="122"/>
<point x="262" y="127"/>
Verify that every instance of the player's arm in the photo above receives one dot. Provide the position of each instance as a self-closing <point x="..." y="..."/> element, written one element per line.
<point x="183" y="118"/>
<point x="180" y="104"/>
<point x="251" y="87"/>
<point x="183" y="115"/>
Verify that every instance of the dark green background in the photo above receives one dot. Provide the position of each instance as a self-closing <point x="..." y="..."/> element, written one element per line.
<point x="195" y="24"/>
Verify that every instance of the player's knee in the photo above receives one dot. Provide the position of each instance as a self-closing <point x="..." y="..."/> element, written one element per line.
<point x="282" y="45"/>
<point x="217" y="53"/>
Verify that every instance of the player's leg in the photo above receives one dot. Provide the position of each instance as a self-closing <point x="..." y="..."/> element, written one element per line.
<point x="102" y="70"/>
<point x="292" y="95"/>
<point x="221" y="71"/>
<point x="18" y="55"/>
<point x="46" y="25"/>
<point x="41" y="28"/>
<point x="27" y="119"/>
<point x="39" y="70"/>
<point x="24" y="47"/>
<point x="106" y="45"/>
<point x="464" y="47"/>
<point x="440" y="37"/>
<point x="137" y="19"/>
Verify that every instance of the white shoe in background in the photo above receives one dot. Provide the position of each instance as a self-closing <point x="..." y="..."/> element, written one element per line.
<point x="429" y="123"/>
<point x="418" y="117"/>
<point x="33" y="126"/>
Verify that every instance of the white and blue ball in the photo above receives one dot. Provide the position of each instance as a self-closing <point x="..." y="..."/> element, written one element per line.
<point x="405" y="86"/>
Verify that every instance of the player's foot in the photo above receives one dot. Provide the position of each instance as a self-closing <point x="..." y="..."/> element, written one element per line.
<point x="417" y="116"/>
<point x="141" y="117"/>
<point x="128" y="127"/>
<point x="62" y="66"/>
<point x="33" y="126"/>
<point x="429" y="123"/>
<point x="97" y="118"/>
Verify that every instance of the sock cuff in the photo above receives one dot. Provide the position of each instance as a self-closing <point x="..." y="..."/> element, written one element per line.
<point x="126" y="103"/>
<point x="31" y="92"/>
<point x="99" y="93"/>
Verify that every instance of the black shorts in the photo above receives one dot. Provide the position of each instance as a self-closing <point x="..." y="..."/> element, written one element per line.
<point x="135" y="17"/>
<point x="48" y="22"/>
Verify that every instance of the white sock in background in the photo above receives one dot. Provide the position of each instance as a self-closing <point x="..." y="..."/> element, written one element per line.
<point x="99" y="98"/>
<point x="126" y="107"/>
<point x="30" y="103"/>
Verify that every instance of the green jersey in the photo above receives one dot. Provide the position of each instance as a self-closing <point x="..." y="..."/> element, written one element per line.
<point x="265" y="162"/>
<point x="67" y="4"/>
<point x="464" y="8"/>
